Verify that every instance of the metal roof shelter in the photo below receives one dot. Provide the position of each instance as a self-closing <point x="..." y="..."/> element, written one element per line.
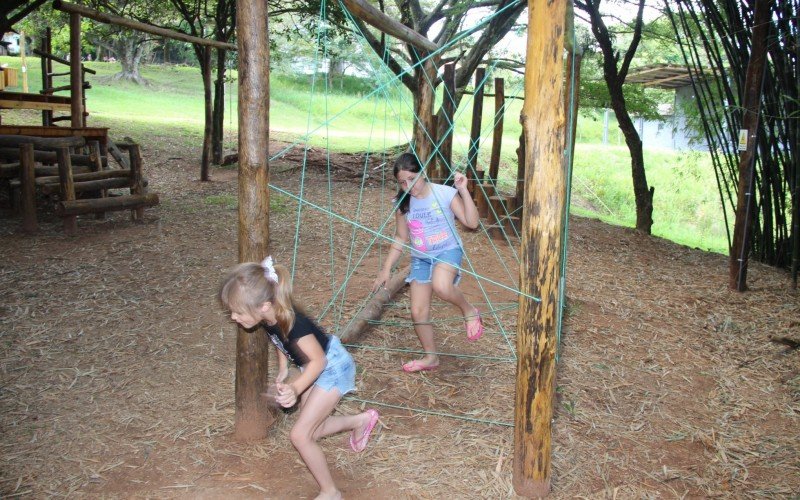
<point x="662" y="76"/>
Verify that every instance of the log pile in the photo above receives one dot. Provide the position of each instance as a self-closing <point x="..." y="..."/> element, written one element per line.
<point x="77" y="174"/>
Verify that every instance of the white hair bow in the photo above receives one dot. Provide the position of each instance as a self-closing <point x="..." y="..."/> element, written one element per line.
<point x="269" y="269"/>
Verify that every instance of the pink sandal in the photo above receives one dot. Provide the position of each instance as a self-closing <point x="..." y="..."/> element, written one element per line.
<point x="476" y="333"/>
<point x="360" y="444"/>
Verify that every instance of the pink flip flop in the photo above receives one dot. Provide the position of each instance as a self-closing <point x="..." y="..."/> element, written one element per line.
<point x="416" y="366"/>
<point x="477" y="333"/>
<point x="360" y="444"/>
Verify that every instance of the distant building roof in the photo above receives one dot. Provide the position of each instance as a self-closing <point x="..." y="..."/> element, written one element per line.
<point x="662" y="76"/>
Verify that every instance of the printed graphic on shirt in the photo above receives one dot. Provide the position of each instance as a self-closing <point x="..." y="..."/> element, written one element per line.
<point x="430" y="226"/>
<point x="279" y="344"/>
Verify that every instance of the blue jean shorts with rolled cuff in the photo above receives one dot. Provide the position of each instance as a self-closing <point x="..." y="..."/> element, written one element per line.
<point x="340" y="372"/>
<point x="422" y="267"/>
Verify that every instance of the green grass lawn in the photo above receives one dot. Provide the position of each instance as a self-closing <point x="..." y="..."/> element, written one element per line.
<point x="377" y="114"/>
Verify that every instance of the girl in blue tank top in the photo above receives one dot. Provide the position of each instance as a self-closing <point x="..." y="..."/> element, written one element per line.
<point x="425" y="219"/>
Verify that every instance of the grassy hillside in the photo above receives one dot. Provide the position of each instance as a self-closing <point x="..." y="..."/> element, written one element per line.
<point x="376" y="114"/>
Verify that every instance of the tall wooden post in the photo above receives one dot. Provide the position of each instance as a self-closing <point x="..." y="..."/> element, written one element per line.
<point x="475" y="129"/>
<point x="75" y="79"/>
<point x="252" y="413"/>
<point x="542" y="224"/>
<point x="23" y="60"/>
<point x="751" y="104"/>
<point x="497" y="138"/>
<point x="47" y="70"/>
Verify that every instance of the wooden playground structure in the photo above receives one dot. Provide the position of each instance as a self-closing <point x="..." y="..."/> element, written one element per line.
<point x="542" y="220"/>
<point x="69" y="163"/>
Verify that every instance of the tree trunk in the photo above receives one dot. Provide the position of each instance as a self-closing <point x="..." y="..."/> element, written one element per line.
<point x="642" y="194"/>
<point x="130" y="51"/>
<point x="424" y="130"/>
<point x="205" y="162"/>
<point x="218" y="114"/>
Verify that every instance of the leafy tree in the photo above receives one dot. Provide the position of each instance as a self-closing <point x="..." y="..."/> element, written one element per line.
<point x="615" y="70"/>
<point x="440" y="23"/>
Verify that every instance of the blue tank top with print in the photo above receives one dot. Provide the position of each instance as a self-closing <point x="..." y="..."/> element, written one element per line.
<point x="431" y="222"/>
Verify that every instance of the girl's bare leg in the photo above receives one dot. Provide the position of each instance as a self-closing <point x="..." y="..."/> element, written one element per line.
<point x="316" y="408"/>
<point x="421" y="316"/>
<point x="443" y="287"/>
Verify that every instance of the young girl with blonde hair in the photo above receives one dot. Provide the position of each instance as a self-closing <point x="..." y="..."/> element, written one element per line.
<point x="260" y="296"/>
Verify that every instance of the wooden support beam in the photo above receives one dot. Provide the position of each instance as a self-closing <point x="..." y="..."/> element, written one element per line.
<point x="374" y="308"/>
<point x="541" y="244"/>
<point x="73" y="208"/>
<point x="89" y="186"/>
<point x="14" y="141"/>
<point x="106" y="18"/>
<point x="370" y="15"/>
<point x="252" y="418"/>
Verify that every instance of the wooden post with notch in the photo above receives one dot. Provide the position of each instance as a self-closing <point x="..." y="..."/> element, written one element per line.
<point x="253" y="417"/>
<point x="540" y="254"/>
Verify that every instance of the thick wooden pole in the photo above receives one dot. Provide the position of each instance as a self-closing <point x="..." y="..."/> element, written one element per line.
<point x="75" y="80"/>
<point x="253" y="417"/>
<point x="369" y="14"/>
<point x="497" y="138"/>
<point x="543" y="208"/>
<point x="751" y="104"/>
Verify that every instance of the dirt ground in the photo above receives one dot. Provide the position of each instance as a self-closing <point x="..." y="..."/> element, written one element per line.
<point x="117" y="364"/>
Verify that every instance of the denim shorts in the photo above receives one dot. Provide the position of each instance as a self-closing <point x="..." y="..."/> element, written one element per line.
<point x="422" y="267"/>
<point x="340" y="372"/>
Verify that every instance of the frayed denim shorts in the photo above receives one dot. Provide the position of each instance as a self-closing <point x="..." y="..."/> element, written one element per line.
<point x="340" y="372"/>
<point x="422" y="267"/>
